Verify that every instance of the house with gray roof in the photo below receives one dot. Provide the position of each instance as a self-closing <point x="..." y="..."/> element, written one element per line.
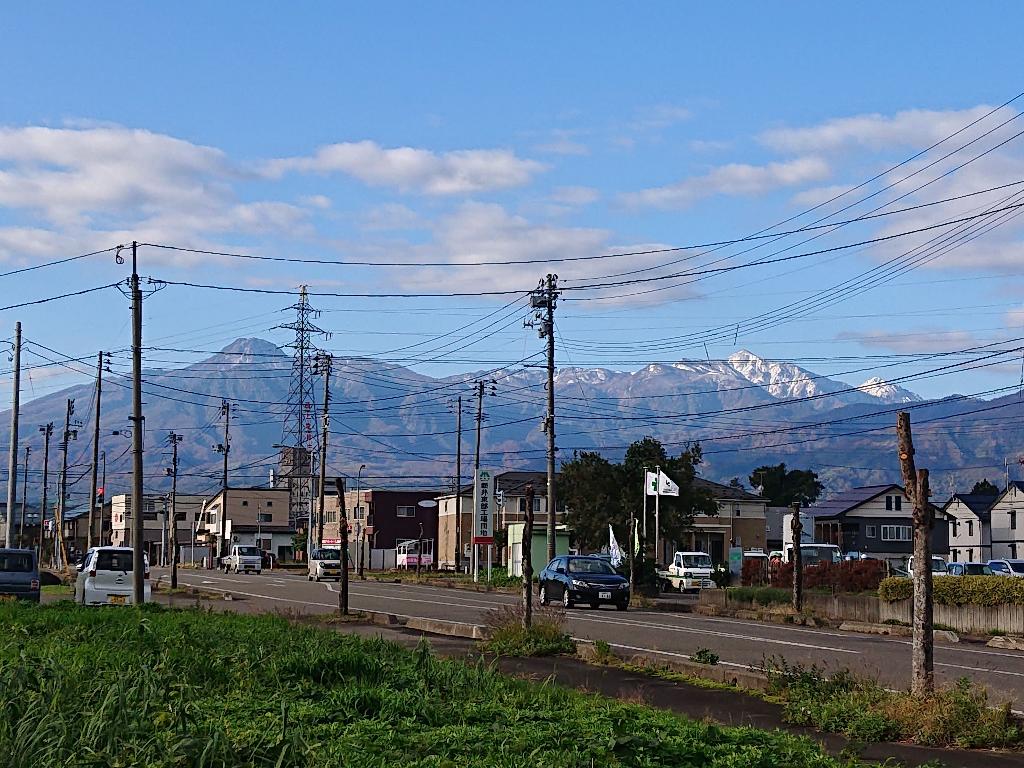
<point x="970" y="529"/>
<point x="876" y="521"/>
<point x="1006" y="522"/>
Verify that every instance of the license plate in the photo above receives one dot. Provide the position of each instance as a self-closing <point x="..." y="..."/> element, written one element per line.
<point x="117" y="599"/>
<point x="604" y="595"/>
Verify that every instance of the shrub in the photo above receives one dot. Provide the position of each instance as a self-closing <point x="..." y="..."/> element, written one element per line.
<point x="960" y="590"/>
<point x="760" y="595"/>
<point x="846" y="576"/>
<point x="506" y="635"/>
<point x="863" y="709"/>
<point x="603" y="653"/>
<point x="753" y="573"/>
<point x="705" y="656"/>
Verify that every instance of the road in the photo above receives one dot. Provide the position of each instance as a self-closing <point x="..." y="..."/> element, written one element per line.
<point x="738" y="643"/>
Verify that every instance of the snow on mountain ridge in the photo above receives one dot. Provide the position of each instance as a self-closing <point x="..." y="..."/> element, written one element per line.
<point x="782" y="380"/>
<point x="889" y="393"/>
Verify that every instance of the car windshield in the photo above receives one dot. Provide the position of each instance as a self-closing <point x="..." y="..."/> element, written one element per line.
<point x="1017" y="567"/>
<point x="16" y="562"/>
<point x="697" y="561"/>
<point x="585" y="565"/>
<point x="938" y="565"/>
<point x="330" y="554"/>
<point x="249" y="551"/>
<point x="820" y="554"/>
<point x="114" y="560"/>
<point x="977" y="569"/>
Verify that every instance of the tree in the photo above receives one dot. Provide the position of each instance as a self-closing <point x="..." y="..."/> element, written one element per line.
<point x="598" y="492"/>
<point x="985" y="488"/>
<point x="782" y="487"/>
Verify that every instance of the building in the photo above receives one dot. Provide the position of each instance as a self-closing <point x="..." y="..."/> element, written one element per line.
<point x="30" y="528"/>
<point x="1006" y="526"/>
<point x="970" y="530"/>
<point x="774" y="518"/>
<point x="510" y="507"/>
<point x="255" y="516"/>
<point x="381" y="520"/>
<point x="876" y="521"/>
<point x="155" y="515"/>
<point x="740" y="522"/>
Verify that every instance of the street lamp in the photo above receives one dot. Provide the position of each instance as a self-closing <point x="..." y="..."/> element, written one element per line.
<point x="361" y="537"/>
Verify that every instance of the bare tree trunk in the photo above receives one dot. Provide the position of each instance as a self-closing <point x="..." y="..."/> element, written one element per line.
<point x="527" y="551"/>
<point x="916" y="483"/>
<point x="798" y="559"/>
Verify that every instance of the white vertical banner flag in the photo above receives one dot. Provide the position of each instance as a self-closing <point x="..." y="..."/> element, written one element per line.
<point x="665" y="485"/>
<point x="651" y="483"/>
<point x="636" y="538"/>
<point x="613" y="548"/>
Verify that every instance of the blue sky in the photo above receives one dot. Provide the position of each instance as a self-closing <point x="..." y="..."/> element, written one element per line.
<point x="464" y="132"/>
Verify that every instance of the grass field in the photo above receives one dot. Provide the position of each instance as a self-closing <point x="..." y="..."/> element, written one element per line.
<point x="120" y="687"/>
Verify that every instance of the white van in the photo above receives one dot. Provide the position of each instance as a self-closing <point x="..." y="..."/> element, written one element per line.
<point x="105" y="577"/>
<point x="938" y="566"/>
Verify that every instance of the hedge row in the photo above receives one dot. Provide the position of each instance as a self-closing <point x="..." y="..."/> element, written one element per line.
<point x="847" y="576"/>
<point x="960" y="590"/>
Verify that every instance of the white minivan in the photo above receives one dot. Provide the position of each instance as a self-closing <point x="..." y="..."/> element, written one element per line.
<point x="105" y="577"/>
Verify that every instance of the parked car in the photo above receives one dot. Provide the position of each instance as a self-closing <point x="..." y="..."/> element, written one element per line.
<point x="968" y="569"/>
<point x="688" y="572"/>
<point x="19" y="575"/>
<point x="575" y="579"/>
<point x="324" y="563"/>
<point x="106" y="577"/>
<point x="938" y="566"/>
<point x="1007" y="567"/>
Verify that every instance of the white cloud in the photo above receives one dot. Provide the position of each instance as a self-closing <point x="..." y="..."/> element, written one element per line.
<point x="660" y="116"/>
<point x="1015" y="318"/>
<point x="316" y="201"/>
<point x="563" y="146"/>
<point x="731" y="179"/>
<point x="575" y="195"/>
<point x="913" y="128"/>
<point x="929" y="340"/>
<point x="416" y="170"/>
<point x="391" y="216"/>
<point x="709" y="145"/>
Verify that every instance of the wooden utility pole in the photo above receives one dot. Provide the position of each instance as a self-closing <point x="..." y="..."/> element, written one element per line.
<point x="173" y="439"/>
<point x="915" y="481"/>
<point x="95" y="454"/>
<point x="798" y="559"/>
<point x="527" y="550"/>
<point x="12" y="454"/>
<point x="458" y="486"/>
<point x="323" y="363"/>
<point x="224" y="448"/>
<point x="138" y="432"/>
<point x="549" y="421"/>
<point x="47" y="430"/>
<point x="631" y="543"/>
<point x="339" y="484"/>
<point x="24" y="499"/>
<point x="476" y="477"/>
<point x="69" y="434"/>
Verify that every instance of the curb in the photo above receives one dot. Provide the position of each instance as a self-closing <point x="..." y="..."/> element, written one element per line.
<point x="427" y="625"/>
<point x="1008" y="642"/>
<point x="895" y="630"/>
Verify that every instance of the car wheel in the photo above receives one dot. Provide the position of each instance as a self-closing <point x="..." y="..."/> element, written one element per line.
<point x="543" y="594"/>
<point x="566" y="599"/>
<point x="316" y="579"/>
<point x="622" y="606"/>
<point x="682" y="587"/>
<point x="595" y="606"/>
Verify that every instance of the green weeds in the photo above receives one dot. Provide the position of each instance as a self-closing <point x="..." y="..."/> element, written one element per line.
<point x="506" y="635"/>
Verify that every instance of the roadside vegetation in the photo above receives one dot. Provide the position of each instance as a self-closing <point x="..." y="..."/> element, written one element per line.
<point x="863" y="710"/>
<point x="506" y="635"/>
<point x="159" y="688"/>
<point x="960" y="590"/>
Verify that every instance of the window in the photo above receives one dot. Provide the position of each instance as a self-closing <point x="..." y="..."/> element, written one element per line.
<point x="970" y="527"/>
<point x="1013" y="520"/>
<point x="970" y="555"/>
<point x="898" y="500"/>
<point x="269" y="504"/>
<point x="245" y="503"/>
<point x="888" y="502"/>
<point x="406" y="511"/>
<point x="953" y="525"/>
<point x="265" y="517"/>
<point x="331" y="516"/>
<point x="1013" y="553"/>
<point x="213" y="518"/>
<point x="358" y="512"/>
<point x="897" y="533"/>
<point x="869" y="531"/>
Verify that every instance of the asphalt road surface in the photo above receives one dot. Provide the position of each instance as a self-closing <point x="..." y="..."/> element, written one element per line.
<point x="737" y="642"/>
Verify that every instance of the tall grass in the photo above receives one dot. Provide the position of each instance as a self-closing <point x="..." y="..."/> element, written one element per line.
<point x="126" y="687"/>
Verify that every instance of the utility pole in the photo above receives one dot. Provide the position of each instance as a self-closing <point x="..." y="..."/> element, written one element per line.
<point x="174" y="439"/>
<point x="138" y="431"/>
<point x="915" y="481"/>
<point x="69" y="434"/>
<point x="224" y="448"/>
<point x="102" y="492"/>
<point x="458" y="486"/>
<point x="798" y="558"/>
<point x="419" y="551"/>
<point x="95" y="451"/>
<point x="527" y="566"/>
<point x="323" y="366"/>
<point x="339" y="484"/>
<point x="12" y="453"/>
<point x="24" y="499"/>
<point x="47" y="431"/>
<point x="543" y="300"/>
<point x="476" y="472"/>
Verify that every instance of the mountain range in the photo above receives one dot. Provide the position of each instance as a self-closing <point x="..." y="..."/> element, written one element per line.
<point x="400" y="423"/>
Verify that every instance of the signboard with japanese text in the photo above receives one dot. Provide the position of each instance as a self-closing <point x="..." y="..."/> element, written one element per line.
<point x="483" y="507"/>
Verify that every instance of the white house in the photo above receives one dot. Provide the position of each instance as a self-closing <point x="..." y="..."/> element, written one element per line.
<point x="1007" y="527"/>
<point x="970" y="532"/>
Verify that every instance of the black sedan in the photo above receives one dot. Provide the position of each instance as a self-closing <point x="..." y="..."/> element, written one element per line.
<point x="572" y="579"/>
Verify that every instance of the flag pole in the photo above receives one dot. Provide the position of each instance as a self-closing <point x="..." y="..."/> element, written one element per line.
<point x="645" y="505"/>
<point x="657" y="514"/>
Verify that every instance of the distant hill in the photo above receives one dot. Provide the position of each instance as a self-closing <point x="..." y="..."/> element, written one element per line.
<point x="400" y="424"/>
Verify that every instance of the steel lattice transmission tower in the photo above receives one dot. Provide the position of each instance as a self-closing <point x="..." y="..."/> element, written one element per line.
<point x="299" y="433"/>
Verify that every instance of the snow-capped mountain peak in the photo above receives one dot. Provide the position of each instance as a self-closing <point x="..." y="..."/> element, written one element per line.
<point x="782" y="380"/>
<point x="886" y="392"/>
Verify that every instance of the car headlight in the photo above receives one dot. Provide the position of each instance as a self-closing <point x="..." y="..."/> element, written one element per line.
<point x="579" y="584"/>
<point x="624" y="586"/>
<point x="687" y="575"/>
